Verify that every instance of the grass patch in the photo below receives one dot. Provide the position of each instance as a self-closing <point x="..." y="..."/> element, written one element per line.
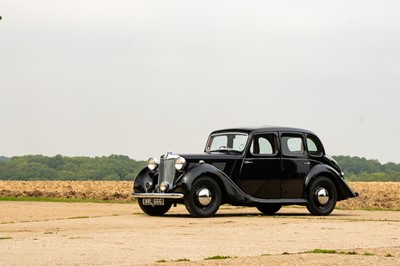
<point x="178" y="260"/>
<point x="368" y="254"/>
<point x="5" y="238"/>
<point x="285" y="253"/>
<point x="348" y="253"/>
<point x="161" y="261"/>
<point x="388" y="255"/>
<point x="322" y="251"/>
<point x="75" y="200"/>
<point x="218" y="257"/>
<point x="78" y="217"/>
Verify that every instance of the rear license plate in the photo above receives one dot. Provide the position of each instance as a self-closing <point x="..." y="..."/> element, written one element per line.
<point x="153" y="202"/>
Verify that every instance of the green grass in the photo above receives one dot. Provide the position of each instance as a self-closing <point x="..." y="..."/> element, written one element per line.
<point x="323" y="251"/>
<point x="178" y="260"/>
<point x="388" y="255"/>
<point x="218" y="257"/>
<point x="368" y="254"/>
<point x="161" y="261"/>
<point x="5" y="238"/>
<point x="44" y="199"/>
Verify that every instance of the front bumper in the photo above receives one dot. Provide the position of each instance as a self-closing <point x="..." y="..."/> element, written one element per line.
<point x="158" y="195"/>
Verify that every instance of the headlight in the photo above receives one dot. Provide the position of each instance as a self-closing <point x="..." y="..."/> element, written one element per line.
<point x="152" y="163"/>
<point x="180" y="163"/>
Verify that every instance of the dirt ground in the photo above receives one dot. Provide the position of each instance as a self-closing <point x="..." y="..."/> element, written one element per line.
<point x="45" y="233"/>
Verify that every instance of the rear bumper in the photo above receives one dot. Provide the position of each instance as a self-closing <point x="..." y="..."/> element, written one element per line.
<point x="158" y="195"/>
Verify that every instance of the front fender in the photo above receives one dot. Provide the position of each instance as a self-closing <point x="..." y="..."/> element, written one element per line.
<point x="146" y="175"/>
<point x="226" y="184"/>
<point x="344" y="191"/>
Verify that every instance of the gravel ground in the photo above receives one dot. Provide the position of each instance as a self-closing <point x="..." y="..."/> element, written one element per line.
<point x="45" y="233"/>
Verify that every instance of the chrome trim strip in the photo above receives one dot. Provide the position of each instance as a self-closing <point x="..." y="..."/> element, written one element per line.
<point x="158" y="195"/>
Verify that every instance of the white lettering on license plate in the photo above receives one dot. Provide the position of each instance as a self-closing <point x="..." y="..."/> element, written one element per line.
<point x="153" y="202"/>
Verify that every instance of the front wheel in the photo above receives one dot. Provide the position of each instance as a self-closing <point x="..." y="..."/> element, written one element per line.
<point x="322" y="196"/>
<point x="204" y="199"/>
<point x="155" y="210"/>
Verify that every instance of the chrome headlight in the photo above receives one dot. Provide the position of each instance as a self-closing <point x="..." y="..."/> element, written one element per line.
<point x="180" y="163"/>
<point x="152" y="163"/>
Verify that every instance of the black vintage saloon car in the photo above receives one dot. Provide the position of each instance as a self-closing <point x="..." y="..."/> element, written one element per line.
<point x="264" y="167"/>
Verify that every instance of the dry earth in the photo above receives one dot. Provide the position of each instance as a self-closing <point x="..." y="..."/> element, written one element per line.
<point x="373" y="195"/>
<point x="45" y="233"/>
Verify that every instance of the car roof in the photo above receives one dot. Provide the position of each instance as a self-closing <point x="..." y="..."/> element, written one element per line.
<point x="259" y="129"/>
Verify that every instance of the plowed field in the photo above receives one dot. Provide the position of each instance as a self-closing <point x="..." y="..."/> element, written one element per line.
<point x="373" y="195"/>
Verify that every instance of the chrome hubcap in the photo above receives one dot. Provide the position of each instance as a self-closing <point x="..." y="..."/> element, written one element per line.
<point x="204" y="196"/>
<point x="322" y="195"/>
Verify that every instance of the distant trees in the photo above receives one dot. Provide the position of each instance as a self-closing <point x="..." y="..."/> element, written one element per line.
<point x="39" y="167"/>
<point x="362" y="169"/>
<point x="120" y="167"/>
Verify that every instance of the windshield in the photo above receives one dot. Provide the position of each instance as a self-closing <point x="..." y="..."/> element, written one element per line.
<point x="227" y="142"/>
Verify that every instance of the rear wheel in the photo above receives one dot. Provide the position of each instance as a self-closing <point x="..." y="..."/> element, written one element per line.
<point x="269" y="209"/>
<point x="322" y="196"/>
<point x="204" y="199"/>
<point x="155" y="210"/>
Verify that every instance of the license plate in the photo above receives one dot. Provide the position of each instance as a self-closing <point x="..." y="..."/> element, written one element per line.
<point x="153" y="202"/>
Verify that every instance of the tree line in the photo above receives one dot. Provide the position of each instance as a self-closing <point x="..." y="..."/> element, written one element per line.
<point x="365" y="170"/>
<point x="39" y="167"/>
<point x="120" y="167"/>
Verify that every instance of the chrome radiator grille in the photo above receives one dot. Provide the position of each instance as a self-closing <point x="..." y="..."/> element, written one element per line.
<point x="167" y="171"/>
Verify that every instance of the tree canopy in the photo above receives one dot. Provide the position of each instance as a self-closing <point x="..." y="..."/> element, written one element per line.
<point x="120" y="167"/>
<point x="362" y="169"/>
<point x="39" y="167"/>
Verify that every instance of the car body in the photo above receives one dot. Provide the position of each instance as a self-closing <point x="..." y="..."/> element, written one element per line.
<point x="265" y="167"/>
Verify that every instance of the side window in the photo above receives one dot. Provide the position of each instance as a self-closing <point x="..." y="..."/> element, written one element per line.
<point x="263" y="145"/>
<point x="292" y="145"/>
<point x="314" y="148"/>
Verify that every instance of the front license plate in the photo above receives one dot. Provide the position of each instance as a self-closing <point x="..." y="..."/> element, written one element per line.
<point x="153" y="202"/>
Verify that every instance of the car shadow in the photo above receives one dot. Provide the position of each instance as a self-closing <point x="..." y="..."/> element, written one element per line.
<point x="258" y="214"/>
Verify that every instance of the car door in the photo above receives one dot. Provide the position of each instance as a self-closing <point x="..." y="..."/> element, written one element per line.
<point x="295" y="165"/>
<point x="260" y="175"/>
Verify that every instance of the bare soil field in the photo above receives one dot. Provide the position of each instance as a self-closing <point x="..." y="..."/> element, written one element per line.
<point x="50" y="233"/>
<point x="373" y="195"/>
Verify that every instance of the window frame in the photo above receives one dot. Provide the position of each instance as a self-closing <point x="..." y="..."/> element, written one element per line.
<point x="275" y="135"/>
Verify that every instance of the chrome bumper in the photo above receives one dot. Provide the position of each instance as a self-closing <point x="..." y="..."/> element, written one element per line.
<point x="158" y="195"/>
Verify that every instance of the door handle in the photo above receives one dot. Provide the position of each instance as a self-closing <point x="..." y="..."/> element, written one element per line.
<point x="247" y="162"/>
<point x="306" y="163"/>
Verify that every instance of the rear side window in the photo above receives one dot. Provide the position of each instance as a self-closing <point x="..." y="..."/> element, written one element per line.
<point x="263" y="145"/>
<point x="292" y="145"/>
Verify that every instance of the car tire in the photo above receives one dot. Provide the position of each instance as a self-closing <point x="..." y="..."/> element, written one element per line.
<point x="322" y="196"/>
<point x="204" y="198"/>
<point x="155" y="210"/>
<point x="269" y="209"/>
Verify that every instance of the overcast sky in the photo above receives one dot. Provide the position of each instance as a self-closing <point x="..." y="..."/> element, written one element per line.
<point x="141" y="77"/>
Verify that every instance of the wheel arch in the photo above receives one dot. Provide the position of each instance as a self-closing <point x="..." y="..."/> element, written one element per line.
<point x="343" y="190"/>
<point x="144" y="175"/>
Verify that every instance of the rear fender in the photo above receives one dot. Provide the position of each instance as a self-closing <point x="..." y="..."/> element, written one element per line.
<point x="344" y="191"/>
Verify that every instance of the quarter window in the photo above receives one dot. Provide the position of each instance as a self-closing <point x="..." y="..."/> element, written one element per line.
<point x="313" y="147"/>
